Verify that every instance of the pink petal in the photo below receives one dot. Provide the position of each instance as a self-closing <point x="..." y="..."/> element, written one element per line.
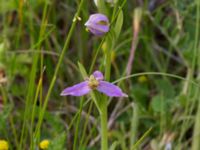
<point x="77" y="90"/>
<point x="98" y="75"/>
<point x="110" y="89"/>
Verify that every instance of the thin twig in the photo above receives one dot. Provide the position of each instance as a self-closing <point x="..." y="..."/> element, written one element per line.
<point x="33" y="51"/>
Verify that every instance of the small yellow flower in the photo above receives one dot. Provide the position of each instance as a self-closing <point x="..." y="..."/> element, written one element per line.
<point x="3" y="145"/>
<point x="142" y="79"/>
<point x="44" y="144"/>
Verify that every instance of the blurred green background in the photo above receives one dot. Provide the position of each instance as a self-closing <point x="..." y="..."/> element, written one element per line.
<point x="163" y="109"/>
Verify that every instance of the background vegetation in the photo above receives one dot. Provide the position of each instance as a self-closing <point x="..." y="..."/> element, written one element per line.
<point x="163" y="109"/>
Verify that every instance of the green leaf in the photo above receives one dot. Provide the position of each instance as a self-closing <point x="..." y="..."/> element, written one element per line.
<point x="140" y="94"/>
<point x="182" y="99"/>
<point x="82" y="70"/>
<point x="158" y="103"/>
<point x="119" y="23"/>
<point x="58" y="142"/>
<point x="2" y="50"/>
<point x="6" y="6"/>
<point x="101" y="5"/>
<point x="114" y="145"/>
<point x="166" y="88"/>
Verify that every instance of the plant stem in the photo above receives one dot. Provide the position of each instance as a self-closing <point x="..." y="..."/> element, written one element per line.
<point x="196" y="133"/>
<point x="64" y="50"/>
<point x="134" y="124"/>
<point x="104" y="132"/>
<point x="77" y="124"/>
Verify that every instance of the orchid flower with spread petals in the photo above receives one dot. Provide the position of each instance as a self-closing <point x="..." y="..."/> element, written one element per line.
<point x="98" y="24"/>
<point x="95" y="82"/>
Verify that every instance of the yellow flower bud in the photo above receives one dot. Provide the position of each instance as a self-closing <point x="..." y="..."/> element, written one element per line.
<point x="3" y="145"/>
<point x="142" y="79"/>
<point x="44" y="144"/>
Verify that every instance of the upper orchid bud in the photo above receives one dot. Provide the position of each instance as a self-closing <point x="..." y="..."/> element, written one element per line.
<point x="98" y="24"/>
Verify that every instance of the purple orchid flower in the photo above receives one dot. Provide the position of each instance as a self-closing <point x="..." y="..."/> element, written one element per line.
<point x="95" y="81"/>
<point x="98" y="24"/>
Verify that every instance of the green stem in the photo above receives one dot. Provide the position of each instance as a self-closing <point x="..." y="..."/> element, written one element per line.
<point x="77" y="124"/>
<point x="32" y="146"/>
<point x="157" y="74"/>
<point x="141" y="139"/>
<point x="196" y="60"/>
<point x="108" y="64"/>
<point x="65" y="48"/>
<point x="196" y="133"/>
<point x="104" y="132"/>
<point x="103" y="107"/>
<point x="31" y="86"/>
<point x="134" y="125"/>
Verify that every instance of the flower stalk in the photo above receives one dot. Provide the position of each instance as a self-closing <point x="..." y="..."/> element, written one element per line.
<point x="104" y="129"/>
